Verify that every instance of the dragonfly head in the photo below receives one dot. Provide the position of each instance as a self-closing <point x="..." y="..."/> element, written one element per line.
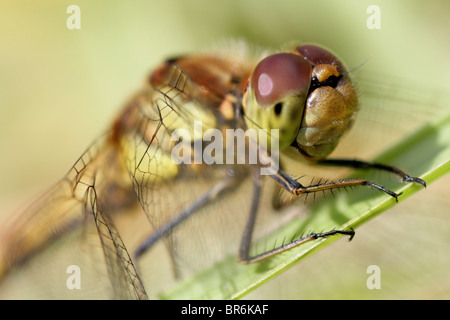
<point x="306" y="95"/>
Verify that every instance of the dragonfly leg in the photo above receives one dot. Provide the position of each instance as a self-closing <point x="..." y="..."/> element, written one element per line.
<point x="216" y="191"/>
<point x="294" y="187"/>
<point x="358" y="164"/>
<point x="244" y="251"/>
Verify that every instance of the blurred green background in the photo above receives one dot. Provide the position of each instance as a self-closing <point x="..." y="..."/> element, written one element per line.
<point x="61" y="88"/>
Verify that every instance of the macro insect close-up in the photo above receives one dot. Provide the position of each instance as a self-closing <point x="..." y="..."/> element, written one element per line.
<point x="230" y="163"/>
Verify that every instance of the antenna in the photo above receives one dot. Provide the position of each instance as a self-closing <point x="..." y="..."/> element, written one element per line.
<point x="358" y="66"/>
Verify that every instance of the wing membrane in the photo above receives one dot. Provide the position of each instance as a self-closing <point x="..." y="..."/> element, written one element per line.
<point x="73" y="204"/>
<point x="164" y="188"/>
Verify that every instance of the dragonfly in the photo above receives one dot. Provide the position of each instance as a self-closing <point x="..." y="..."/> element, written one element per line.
<point x="167" y="157"/>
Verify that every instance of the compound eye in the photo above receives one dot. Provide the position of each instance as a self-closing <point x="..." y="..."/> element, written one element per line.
<point x="279" y="76"/>
<point x="317" y="55"/>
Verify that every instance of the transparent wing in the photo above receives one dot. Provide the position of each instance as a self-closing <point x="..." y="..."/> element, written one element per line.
<point x="67" y="226"/>
<point x="155" y="121"/>
<point x="122" y="189"/>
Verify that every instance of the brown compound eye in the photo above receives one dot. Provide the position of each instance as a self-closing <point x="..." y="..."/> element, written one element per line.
<point x="278" y="76"/>
<point x="317" y="55"/>
<point x="276" y="96"/>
